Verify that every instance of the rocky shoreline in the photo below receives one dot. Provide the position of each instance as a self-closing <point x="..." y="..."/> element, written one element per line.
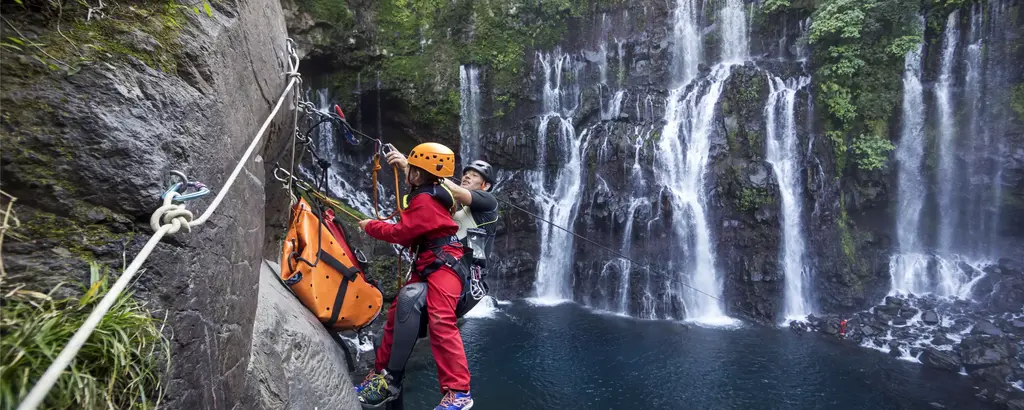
<point x="981" y="337"/>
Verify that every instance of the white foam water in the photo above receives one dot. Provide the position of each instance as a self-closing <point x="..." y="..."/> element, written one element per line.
<point x="486" y="308"/>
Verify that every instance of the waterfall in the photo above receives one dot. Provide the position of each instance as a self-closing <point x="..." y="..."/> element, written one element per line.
<point x="971" y="109"/>
<point x="975" y="205"/>
<point x="946" y="115"/>
<point x="784" y="156"/>
<point x="995" y="117"/>
<point x="625" y="266"/>
<point x="907" y="266"/>
<point x="687" y="46"/>
<point x="469" y="113"/>
<point x="735" y="40"/>
<point x="684" y="150"/>
<point x="611" y="108"/>
<point x="558" y="198"/>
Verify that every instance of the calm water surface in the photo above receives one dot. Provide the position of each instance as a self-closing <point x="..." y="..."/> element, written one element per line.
<point x="567" y="357"/>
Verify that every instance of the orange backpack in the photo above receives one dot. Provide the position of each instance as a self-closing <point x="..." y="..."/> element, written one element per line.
<point x="323" y="273"/>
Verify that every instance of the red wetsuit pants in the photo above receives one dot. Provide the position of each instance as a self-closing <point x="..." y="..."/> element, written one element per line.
<point x="443" y="291"/>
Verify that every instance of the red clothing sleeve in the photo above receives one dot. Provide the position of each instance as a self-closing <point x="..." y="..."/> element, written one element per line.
<point x="417" y="220"/>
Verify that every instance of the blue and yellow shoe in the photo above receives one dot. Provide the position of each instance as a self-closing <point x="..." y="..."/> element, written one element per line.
<point x="455" y="401"/>
<point x="366" y="381"/>
<point x="377" y="390"/>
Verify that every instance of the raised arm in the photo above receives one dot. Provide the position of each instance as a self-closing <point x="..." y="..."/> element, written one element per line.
<point x="461" y="194"/>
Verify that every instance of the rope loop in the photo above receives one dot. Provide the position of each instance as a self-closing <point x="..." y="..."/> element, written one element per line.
<point x="171" y="214"/>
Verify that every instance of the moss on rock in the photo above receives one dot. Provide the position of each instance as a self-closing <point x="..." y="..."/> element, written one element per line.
<point x="751" y="198"/>
<point x="147" y="31"/>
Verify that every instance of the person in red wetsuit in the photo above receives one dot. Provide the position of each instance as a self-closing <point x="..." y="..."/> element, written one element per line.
<point x="427" y="226"/>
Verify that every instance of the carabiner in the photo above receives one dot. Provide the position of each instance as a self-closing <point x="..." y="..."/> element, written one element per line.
<point x="279" y="178"/>
<point x="179" y="187"/>
<point x="360" y="256"/>
<point x="387" y="149"/>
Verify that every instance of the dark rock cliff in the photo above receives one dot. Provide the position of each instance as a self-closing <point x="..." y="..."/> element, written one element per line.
<point x="94" y="118"/>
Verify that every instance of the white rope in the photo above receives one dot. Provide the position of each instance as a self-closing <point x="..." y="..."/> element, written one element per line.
<point x="294" y="141"/>
<point x="174" y="218"/>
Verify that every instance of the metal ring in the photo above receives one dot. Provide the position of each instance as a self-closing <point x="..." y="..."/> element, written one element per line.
<point x="184" y="182"/>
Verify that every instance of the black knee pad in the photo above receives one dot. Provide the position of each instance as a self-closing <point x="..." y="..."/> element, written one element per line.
<point x="409" y="319"/>
<point x="412" y="299"/>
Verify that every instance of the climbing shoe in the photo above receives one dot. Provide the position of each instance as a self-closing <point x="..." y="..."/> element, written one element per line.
<point x="455" y="401"/>
<point x="377" y="390"/>
<point x="366" y="381"/>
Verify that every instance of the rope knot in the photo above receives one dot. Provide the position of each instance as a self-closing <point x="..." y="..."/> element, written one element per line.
<point x="376" y="163"/>
<point x="171" y="214"/>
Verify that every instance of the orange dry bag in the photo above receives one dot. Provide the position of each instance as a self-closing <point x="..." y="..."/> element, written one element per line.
<point x="324" y="274"/>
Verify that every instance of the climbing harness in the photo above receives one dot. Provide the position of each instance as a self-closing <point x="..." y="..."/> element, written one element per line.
<point x="168" y="219"/>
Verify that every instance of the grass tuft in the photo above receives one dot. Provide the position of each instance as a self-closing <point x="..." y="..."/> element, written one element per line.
<point x="121" y="366"/>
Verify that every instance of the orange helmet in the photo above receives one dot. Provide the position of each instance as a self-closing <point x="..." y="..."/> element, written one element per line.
<point x="434" y="158"/>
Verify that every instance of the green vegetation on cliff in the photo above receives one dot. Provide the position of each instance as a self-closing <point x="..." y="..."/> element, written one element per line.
<point x="417" y="47"/>
<point x="75" y="34"/>
<point x="859" y="50"/>
<point x="1017" y="100"/>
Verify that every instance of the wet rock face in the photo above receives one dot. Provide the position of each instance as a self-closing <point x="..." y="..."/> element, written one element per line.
<point x="295" y="364"/>
<point x="1002" y="287"/>
<point x="89" y="161"/>
<point x="940" y="359"/>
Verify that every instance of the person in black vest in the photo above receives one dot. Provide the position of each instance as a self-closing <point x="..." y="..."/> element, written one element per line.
<point x="477" y="227"/>
<point x="476" y="219"/>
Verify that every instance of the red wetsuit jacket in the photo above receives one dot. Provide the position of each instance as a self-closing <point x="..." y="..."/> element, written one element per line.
<point x="426" y="218"/>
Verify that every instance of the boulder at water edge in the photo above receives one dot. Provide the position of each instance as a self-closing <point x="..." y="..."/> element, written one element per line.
<point x="295" y="364"/>
<point x="988" y="359"/>
<point x="985" y="327"/>
<point x="940" y="359"/>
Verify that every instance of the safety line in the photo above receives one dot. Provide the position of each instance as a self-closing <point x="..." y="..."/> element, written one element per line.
<point x="175" y="218"/>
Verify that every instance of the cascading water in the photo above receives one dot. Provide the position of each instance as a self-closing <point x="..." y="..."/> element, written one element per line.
<point x="682" y="156"/>
<point x="559" y="193"/>
<point x="995" y="118"/>
<point x="947" y="136"/>
<point x="687" y="48"/>
<point x="684" y="150"/>
<point x="625" y="265"/>
<point x="735" y="39"/>
<point x="908" y="264"/>
<point x="784" y="156"/>
<point x="611" y="106"/>
<point x="979" y="146"/>
<point x="469" y="113"/>
<point x="910" y="268"/>
<point x="970" y="111"/>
